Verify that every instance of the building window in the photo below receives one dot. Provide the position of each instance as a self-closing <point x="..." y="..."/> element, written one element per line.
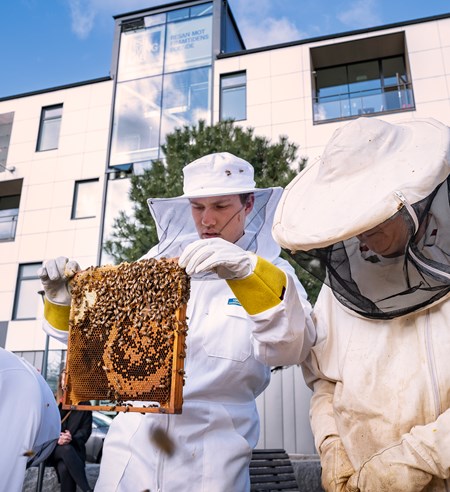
<point x="233" y="96"/>
<point x="85" y="199"/>
<point x="6" y="122"/>
<point x="10" y="192"/>
<point x="49" y="128"/>
<point x="361" y="77"/>
<point x="27" y="296"/>
<point x="163" y="81"/>
<point x="56" y="360"/>
<point x="186" y="99"/>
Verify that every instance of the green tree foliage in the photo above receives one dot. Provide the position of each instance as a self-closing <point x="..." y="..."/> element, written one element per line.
<point x="276" y="164"/>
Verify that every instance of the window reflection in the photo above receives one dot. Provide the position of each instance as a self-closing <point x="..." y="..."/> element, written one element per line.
<point x="141" y="53"/>
<point x="165" y="57"/>
<point x="362" y="88"/>
<point x="189" y="44"/>
<point x="233" y="96"/>
<point x="49" y="128"/>
<point x="137" y="120"/>
<point x="186" y="99"/>
<point x="85" y="199"/>
<point x="27" y="300"/>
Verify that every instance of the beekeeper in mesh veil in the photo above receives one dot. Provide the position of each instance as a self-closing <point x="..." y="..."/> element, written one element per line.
<point x="247" y="311"/>
<point x="374" y="209"/>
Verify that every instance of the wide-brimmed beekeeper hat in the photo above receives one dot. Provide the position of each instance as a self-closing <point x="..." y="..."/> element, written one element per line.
<point x="368" y="171"/>
<point x="218" y="174"/>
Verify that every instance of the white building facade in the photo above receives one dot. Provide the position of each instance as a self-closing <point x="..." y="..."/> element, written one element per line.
<point x="66" y="153"/>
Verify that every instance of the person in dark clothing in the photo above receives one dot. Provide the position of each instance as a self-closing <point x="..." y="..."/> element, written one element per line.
<point x="69" y="455"/>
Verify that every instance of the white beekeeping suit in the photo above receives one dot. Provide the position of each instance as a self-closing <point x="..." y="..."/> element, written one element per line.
<point x="374" y="209"/>
<point x="247" y="311"/>
<point x="29" y="420"/>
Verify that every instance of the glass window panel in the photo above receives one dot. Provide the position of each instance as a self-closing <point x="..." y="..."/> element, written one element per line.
<point x="233" y="80"/>
<point x="51" y="113"/>
<point x="8" y="225"/>
<point x="154" y="20"/>
<point x="141" y="53"/>
<point x="373" y="86"/>
<point x="189" y="44"/>
<point x="233" y="104"/>
<point x="27" y="298"/>
<point x="117" y="199"/>
<point x="179" y="14"/>
<point x="394" y="71"/>
<point x="50" y="135"/>
<point x="9" y="202"/>
<point x="186" y="99"/>
<point x="49" y="128"/>
<point x="29" y="270"/>
<point x="9" y="209"/>
<point x="85" y="199"/>
<point x="136" y="121"/>
<point x="364" y="76"/>
<point x="331" y="82"/>
<point x="233" y="97"/>
<point x="55" y="362"/>
<point x="6" y="122"/>
<point x="204" y="9"/>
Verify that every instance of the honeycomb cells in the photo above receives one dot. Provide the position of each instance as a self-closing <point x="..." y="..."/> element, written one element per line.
<point x="127" y="336"/>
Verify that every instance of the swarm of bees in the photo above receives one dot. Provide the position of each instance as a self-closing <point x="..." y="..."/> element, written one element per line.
<point x="127" y="334"/>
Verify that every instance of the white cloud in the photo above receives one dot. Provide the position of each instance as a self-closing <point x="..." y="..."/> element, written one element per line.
<point x="82" y="16"/>
<point x="267" y="32"/>
<point x="360" y="14"/>
<point x="261" y="25"/>
<point x="84" y="13"/>
<point x="257" y="21"/>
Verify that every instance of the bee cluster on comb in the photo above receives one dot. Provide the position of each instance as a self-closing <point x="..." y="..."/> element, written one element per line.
<point x="127" y="334"/>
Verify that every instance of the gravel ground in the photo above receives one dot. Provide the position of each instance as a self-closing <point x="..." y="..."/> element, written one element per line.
<point x="50" y="482"/>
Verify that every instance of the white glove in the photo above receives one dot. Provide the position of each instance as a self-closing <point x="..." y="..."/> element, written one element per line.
<point x="398" y="468"/>
<point x="54" y="276"/>
<point x="336" y="465"/>
<point x="217" y="255"/>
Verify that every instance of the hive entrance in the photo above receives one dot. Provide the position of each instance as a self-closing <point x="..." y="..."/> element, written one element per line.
<point x="127" y="337"/>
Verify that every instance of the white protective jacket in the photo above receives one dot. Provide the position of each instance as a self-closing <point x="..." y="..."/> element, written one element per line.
<point x="384" y="384"/>
<point x="29" y="420"/>
<point x="227" y="366"/>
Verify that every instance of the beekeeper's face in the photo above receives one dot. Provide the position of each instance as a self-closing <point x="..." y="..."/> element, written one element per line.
<point x="221" y="216"/>
<point x="387" y="239"/>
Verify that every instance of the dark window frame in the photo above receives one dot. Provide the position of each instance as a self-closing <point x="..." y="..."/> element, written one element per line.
<point x="222" y="89"/>
<point x="344" y="93"/>
<point x="77" y="183"/>
<point x="42" y="122"/>
<point x="10" y="190"/>
<point x="20" y="278"/>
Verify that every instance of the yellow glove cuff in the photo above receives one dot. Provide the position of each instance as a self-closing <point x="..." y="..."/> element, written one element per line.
<point x="57" y="315"/>
<point x="261" y="290"/>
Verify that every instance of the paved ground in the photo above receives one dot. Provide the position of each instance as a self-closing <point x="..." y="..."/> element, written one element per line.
<point x="50" y="482"/>
<point x="306" y="468"/>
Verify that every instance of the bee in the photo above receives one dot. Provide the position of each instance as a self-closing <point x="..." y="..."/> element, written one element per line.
<point x="163" y="441"/>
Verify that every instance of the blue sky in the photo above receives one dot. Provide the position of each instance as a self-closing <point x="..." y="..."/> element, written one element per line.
<point x="46" y="43"/>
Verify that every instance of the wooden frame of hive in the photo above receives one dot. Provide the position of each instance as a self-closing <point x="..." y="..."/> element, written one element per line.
<point x="127" y="333"/>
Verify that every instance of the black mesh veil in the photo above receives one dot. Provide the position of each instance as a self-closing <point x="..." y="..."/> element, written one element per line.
<point x="380" y="287"/>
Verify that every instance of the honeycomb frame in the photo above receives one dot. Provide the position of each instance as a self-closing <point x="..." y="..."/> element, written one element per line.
<point x="127" y="330"/>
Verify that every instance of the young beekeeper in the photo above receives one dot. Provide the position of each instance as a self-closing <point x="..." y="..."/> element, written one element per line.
<point x="375" y="210"/>
<point x="247" y="311"/>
